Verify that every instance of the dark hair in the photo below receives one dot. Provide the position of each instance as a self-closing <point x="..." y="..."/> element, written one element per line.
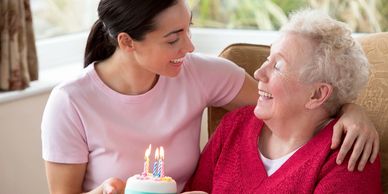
<point x="134" y="17"/>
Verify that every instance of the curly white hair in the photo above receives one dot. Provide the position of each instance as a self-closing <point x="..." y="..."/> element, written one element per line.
<point x="338" y="59"/>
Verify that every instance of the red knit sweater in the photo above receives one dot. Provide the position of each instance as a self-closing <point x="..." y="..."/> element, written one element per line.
<point x="230" y="163"/>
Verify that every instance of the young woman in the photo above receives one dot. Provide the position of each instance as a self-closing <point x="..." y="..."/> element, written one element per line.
<point x="142" y="85"/>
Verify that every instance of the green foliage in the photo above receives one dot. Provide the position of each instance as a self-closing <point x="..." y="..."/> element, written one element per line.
<point x="288" y="6"/>
<point x="382" y="7"/>
<point x="361" y="16"/>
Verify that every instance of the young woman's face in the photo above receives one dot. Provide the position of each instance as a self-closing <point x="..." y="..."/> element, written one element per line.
<point x="281" y="94"/>
<point x="163" y="50"/>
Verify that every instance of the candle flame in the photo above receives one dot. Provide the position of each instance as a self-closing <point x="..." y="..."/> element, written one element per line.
<point x="161" y="155"/>
<point x="148" y="152"/>
<point x="157" y="154"/>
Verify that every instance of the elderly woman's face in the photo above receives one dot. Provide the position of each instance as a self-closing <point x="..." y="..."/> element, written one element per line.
<point x="281" y="94"/>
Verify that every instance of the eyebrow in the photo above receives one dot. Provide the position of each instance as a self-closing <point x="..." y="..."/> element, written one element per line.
<point x="173" y="32"/>
<point x="180" y="30"/>
<point x="279" y="54"/>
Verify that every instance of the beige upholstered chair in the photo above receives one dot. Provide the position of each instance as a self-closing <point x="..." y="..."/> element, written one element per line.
<point x="374" y="99"/>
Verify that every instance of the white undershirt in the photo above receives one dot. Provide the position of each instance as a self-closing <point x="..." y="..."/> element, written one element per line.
<point x="271" y="166"/>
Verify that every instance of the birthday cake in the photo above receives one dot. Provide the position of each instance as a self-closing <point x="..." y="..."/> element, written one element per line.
<point x="155" y="182"/>
<point x="140" y="184"/>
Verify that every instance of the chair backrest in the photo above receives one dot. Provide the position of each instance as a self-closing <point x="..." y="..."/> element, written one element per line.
<point x="247" y="56"/>
<point x="374" y="98"/>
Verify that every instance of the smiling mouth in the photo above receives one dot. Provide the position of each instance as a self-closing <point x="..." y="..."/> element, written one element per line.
<point x="176" y="61"/>
<point x="265" y="95"/>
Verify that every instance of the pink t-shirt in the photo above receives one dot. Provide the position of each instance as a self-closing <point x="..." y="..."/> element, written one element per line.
<point x="87" y="122"/>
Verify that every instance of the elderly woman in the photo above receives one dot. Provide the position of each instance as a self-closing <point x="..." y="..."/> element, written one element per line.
<point x="313" y="69"/>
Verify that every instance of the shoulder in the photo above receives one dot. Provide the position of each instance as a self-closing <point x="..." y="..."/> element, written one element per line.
<point x="240" y="114"/>
<point x="75" y="84"/>
<point x="334" y="177"/>
<point x="337" y="178"/>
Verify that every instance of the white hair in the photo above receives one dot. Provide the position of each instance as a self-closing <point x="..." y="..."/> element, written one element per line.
<point x="337" y="60"/>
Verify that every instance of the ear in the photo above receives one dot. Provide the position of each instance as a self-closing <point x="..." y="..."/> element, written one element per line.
<point x="319" y="95"/>
<point x="125" y="42"/>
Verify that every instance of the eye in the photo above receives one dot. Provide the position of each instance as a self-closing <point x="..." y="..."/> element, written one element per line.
<point x="279" y="65"/>
<point x="173" y="42"/>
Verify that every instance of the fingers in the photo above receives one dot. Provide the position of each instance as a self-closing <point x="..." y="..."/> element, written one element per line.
<point x="109" y="189"/>
<point x="376" y="147"/>
<point x="337" y="134"/>
<point x="357" y="150"/>
<point x="113" y="186"/>
<point x="346" y="145"/>
<point x="365" y="155"/>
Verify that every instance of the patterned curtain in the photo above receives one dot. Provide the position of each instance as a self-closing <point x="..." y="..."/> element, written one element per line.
<point x="19" y="64"/>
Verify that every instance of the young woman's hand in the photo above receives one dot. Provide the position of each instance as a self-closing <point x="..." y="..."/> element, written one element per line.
<point x="360" y="134"/>
<point x="113" y="186"/>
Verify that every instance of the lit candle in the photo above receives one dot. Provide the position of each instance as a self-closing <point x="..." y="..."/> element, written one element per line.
<point x="161" y="162"/>
<point x="147" y="161"/>
<point x="155" y="170"/>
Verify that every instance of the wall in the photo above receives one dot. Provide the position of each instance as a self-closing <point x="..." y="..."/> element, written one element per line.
<point x="21" y="164"/>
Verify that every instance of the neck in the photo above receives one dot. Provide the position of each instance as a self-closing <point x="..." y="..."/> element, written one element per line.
<point x="279" y="138"/>
<point x="125" y="77"/>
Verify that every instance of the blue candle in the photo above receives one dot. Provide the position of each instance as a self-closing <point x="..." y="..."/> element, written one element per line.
<point x="155" y="170"/>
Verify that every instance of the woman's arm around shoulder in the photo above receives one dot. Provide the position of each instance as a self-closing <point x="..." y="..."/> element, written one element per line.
<point x="360" y="134"/>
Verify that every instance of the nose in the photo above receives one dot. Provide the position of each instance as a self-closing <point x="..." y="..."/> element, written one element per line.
<point x="188" y="46"/>
<point x="261" y="74"/>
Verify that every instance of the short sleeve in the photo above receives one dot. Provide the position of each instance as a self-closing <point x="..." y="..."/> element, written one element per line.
<point x="63" y="137"/>
<point x="219" y="79"/>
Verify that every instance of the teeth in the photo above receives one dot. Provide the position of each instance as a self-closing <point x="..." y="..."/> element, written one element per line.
<point x="265" y="94"/>
<point x="177" y="60"/>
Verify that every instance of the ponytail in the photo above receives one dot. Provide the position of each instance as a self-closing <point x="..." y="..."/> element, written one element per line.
<point x="98" y="46"/>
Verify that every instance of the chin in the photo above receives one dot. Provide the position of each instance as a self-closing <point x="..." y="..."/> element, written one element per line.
<point x="173" y="73"/>
<point x="262" y="115"/>
<point x="257" y="113"/>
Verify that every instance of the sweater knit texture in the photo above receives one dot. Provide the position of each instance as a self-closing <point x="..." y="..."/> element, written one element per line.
<point x="230" y="163"/>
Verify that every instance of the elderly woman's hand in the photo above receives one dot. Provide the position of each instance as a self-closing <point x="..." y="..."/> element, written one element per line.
<point x="360" y="132"/>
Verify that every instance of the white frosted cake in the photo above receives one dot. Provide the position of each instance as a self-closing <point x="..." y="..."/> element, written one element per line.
<point x="140" y="184"/>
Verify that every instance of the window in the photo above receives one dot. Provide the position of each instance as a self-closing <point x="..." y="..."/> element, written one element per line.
<point x="61" y="26"/>
<point x="60" y="17"/>
<point x="361" y="16"/>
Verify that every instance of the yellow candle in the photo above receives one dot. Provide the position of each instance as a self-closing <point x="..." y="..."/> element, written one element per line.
<point x="147" y="161"/>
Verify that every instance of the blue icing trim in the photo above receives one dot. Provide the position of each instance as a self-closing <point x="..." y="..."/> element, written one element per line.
<point x="127" y="191"/>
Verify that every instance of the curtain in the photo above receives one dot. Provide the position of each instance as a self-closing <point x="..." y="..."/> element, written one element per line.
<point x="19" y="64"/>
